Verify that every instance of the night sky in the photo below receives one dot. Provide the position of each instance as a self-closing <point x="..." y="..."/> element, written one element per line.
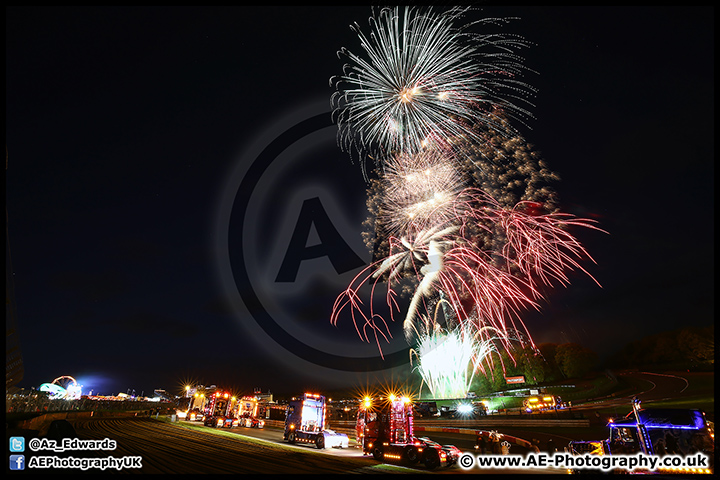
<point x="130" y="130"/>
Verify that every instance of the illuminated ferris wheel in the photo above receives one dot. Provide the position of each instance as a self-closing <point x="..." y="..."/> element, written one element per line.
<point x="63" y="387"/>
<point x="65" y="381"/>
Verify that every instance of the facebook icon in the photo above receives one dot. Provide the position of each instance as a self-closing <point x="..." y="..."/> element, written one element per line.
<point x="17" y="462"/>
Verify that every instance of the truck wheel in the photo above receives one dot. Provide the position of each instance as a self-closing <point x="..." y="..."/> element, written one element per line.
<point x="320" y="442"/>
<point x="378" y="454"/>
<point x="410" y="455"/>
<point x="431" y="459"/>
<point x="291" y="437"/>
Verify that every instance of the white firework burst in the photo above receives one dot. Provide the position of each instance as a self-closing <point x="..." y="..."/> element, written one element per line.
<point x="448" y="358"/>
<point x="425" y="79"/>
<point x="418" y="192"/>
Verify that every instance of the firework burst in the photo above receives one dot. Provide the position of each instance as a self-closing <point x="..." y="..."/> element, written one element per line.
<point x="484" y="288"/>
<point x="461" y="219"/>
<point x="445" y="362"/>
<point x="425" y="78"/>
<point x="418" y="192"/>
<point x="439" y="261"/>
<point x="448" y="357"/>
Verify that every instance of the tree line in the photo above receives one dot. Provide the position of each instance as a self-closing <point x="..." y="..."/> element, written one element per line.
<point x="685" y="348"/>
<point x="547" y="362"/>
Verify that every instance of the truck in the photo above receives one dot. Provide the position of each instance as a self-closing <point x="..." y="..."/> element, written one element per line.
<point x="246" y="413"/>
<point x="305" y="422"/>
<point x="425" y="409"/>
<point x="196" y="406"/>
<point x="219" y="410"/>
<point x="543" y="403"/>
<point x="384" y="428"/>
<point x="655" y="431"/>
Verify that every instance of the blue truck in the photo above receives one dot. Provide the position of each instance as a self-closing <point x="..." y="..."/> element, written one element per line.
<point x="655" y="431"/>
<point x="306" y="422"/>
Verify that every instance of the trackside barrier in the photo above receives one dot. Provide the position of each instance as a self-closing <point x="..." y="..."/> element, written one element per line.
<point x="494" y="422"/>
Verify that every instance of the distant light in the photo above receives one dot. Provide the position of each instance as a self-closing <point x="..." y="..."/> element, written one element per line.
<point x="465" y="408"/>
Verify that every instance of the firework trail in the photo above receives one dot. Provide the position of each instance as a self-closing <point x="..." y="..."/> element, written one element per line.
<point x="486" y="288"/>
<point x="407" y="259"/>
<point x="424" y="79"/>
<point x="438" y="260"/>
<point x="539" y="247"/>
<point x="542" y="246"/>
<point x="496" y="297"/>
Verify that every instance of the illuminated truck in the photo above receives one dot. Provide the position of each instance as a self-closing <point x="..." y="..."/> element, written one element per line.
<point x="246" y="413"/>
<point x="543" y="403"/>
<point x="219" y="410"/>
<point x="305" y="422"/>
<point x="196" y="406"/>
<point x="656" y="431"/>
<point x="385" y="430"/>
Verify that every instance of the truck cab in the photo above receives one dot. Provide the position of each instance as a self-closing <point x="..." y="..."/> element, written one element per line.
<point x="247" y="409"/>
<point x="219" y="410"/>
<point x="385" y="430"/>
<point x="196" y="407"/>
<point x="655" y="431"/>
<point x="543" y="403"/>
<point x="305" y="422"/>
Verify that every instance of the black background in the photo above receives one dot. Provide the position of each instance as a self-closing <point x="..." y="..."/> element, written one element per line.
<point x="123" y="122"/>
